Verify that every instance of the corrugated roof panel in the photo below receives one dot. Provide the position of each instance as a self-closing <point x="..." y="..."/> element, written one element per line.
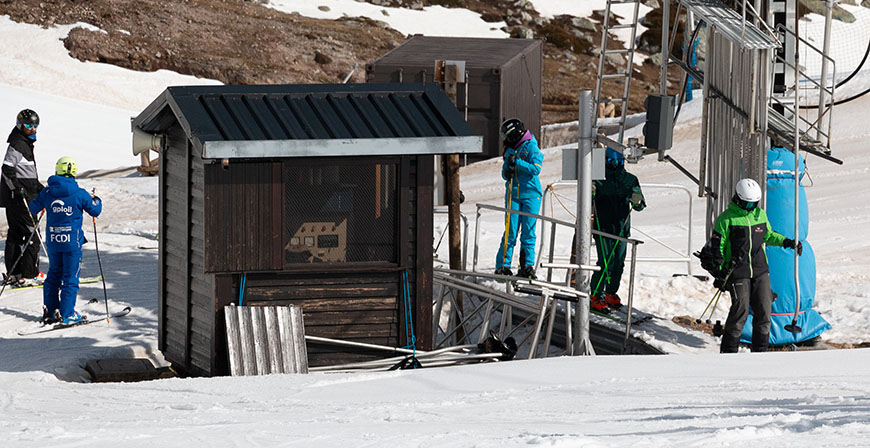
<point x="371" y="116"/>
<point x="302" y="110"/>
<point x="244" y="119"/>
<point x="350" y="116"/>
<point x="284" y="115"/>
<point x="220" y="116"/>
<point x="267" y="118"/>
<point x="396" y="122"/>
<point x="409" y="110"/>
<point x="326" y="113"/>
<point x="430" y="115"/>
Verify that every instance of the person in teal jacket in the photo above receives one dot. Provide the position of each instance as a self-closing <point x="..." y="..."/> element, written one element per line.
<point x="520" y="170"/>
<point x="613" y="200"/>
<point x="735" y="257"/>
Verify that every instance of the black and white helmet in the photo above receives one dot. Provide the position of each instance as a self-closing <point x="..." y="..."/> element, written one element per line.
<point x="512" y="130"/>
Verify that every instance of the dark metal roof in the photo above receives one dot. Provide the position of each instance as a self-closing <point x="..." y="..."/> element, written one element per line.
<point x="476" y="52"/>
<point x="312" y="120"/>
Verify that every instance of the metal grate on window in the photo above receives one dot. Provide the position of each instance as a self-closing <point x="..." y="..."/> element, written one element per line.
<point x="340" y="212"/>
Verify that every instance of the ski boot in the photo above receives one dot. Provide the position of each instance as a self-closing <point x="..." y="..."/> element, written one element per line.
<point x="50" y="317"/>
<point x="73" y="318"/>
<point x="13" y="281"/>
<point x="598" y="304"/>
<point x="612" y="300"/>
<point x="527" y="272"/>
<point x="504" y="271"/>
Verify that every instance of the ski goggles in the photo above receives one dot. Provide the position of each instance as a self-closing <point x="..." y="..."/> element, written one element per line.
<point x="746" y="205"/>
<point x="30" y="126"/>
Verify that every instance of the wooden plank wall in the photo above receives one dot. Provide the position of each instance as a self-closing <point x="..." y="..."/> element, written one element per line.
<point x="173" y="303"/>
<point x="421" y="267"/>
<point x="243" y="226"/>
<point x="201" y="285"/>
<point x="359" y="306"/>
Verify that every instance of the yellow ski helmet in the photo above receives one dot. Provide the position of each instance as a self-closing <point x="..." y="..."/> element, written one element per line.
<point x="66" y="166"/>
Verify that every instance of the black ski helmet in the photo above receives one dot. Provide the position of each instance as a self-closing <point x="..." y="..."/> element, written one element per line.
<point x="512" y="130"/>
<point x="27" y="117"/>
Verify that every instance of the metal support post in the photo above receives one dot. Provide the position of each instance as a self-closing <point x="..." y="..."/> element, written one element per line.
<point x="826" y="49"/>
<point x="666" y="17"/>
<point x="583" y="226"/>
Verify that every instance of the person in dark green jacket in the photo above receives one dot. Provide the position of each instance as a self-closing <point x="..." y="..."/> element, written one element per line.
<point x="736" y="258"/>
<point x="613" y="200"/>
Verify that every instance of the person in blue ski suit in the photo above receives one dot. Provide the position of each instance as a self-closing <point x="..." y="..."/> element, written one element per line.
<point x="63" y="201"/>
<point x="520" y="169"/>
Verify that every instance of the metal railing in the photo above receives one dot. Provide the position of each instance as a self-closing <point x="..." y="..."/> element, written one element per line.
<point x="486" y="303"/>
<point x="551" y="265"/>
<point x="442" y="210"/>
<point x="825" y="111"/>
<point x="682" y="257"/>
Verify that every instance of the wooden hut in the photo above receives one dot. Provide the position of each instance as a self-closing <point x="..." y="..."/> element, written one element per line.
<point x="315" y="195"/>
<point x="504" y="79"/>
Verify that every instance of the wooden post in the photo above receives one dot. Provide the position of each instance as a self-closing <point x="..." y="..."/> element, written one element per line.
<point x="448" y="74"/>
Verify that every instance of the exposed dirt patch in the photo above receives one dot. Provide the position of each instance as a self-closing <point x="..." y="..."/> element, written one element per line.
<point x="232" y="41"/>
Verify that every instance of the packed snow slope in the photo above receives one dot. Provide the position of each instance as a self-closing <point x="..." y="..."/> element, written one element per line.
<point x="801" y="399"/>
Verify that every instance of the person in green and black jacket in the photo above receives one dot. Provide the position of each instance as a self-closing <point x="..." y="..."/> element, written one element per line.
<point x="613" y="199"/>
<point x="736" y="258"/>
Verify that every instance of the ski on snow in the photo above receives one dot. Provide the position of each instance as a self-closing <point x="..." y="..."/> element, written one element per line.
<point x="42" y="328"/>
<point x="81" y="282"/>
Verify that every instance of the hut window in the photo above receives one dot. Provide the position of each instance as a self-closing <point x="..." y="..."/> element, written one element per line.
<point x="340" y="212"/>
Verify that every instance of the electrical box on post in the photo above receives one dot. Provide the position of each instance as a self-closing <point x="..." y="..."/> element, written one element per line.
<point x="569" y="163"/>
<point x="658" y="130"/>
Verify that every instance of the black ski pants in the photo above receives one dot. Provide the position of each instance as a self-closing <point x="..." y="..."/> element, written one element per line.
<point x="20" y="227"/>
<point x="746" y="293"/>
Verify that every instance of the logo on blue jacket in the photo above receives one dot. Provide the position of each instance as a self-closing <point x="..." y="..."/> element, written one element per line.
<point x="59" y="207"/>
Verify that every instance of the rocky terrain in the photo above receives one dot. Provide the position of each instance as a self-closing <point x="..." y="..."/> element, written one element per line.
<point x="237" y="41"/>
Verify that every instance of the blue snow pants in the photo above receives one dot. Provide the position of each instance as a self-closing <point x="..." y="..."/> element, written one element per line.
<point x="62" y="282"/>
<point x="526" y="225"/>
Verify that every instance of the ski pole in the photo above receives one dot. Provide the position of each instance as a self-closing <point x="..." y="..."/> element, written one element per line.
<point x="507" y="222"/>
<point x="718" y="291"/>
<point x="26" y="243"/>
<point x="100" y="263"/>
<point x="41" y="241"/>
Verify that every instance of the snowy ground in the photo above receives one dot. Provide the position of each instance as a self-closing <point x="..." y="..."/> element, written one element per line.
<point x="702" y="399"/>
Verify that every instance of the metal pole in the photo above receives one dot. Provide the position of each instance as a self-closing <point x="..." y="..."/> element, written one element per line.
<point x="826" y="48"/>
<point x="666" y="17"/>
<point x="797" y="146"/>
<point x="630" y="299"/>
<point x="583" y="227"/>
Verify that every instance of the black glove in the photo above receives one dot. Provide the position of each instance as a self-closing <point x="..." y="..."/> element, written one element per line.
<point x="512" y="161"/>
<point x="790" y="244"/>
<point x="719" y="283"/>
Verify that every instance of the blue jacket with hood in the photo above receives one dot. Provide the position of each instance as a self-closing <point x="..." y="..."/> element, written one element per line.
<point x="529" y="159"/>
<point x="63" y="201"/>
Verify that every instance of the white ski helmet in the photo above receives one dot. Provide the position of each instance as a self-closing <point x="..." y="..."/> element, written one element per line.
<point x="748" y="190"/>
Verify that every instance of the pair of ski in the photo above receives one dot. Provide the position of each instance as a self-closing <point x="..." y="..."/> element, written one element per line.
<point x="45" y="328"/>
<point x="82" y="281"/>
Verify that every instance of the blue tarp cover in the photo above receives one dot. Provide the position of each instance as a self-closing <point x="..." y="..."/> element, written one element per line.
<point x="780" y="212"/>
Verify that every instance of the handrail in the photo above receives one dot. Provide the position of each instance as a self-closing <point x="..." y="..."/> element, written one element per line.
<point x="554" y="221"/>
<point x="444" y="210"/>
<point x="683" y="258"/>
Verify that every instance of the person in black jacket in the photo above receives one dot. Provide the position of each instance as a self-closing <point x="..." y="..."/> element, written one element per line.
<point x="19" y="184"/>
